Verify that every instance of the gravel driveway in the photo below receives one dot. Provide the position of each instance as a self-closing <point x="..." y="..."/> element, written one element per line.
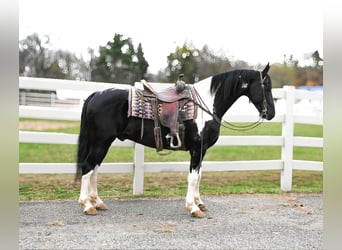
<point x="291" y="221"/>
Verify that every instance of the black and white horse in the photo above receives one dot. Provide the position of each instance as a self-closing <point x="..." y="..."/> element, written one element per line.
<point x="104" y="118"/>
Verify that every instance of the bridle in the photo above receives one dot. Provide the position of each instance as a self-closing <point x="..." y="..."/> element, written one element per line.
<point x="231" y="126"/>
<point x="264" y="110"/>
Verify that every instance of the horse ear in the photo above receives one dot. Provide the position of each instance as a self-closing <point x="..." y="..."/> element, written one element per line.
<point x="264" y="72"/>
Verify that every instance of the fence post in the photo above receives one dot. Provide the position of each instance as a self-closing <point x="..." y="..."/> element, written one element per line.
<point x="287" y="134"/>
<point x="22" y="98"/>
<point x="53" y="99"/>
<point x="138" y="179"/>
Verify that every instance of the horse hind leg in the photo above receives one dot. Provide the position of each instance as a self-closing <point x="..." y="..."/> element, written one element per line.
<point x="84" y="200"/>
<point x="89" y="198"/>
<point x="93" y="194"/>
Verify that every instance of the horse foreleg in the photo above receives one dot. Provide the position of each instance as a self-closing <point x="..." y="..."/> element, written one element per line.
<point x="192" y="194"/>
<point x="198" y="200"/>
<point x="84" y="200"/>
<point x="93" y="194"/>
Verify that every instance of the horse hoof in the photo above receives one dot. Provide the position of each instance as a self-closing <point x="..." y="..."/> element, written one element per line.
<point x="101" y="206"/>
<point x="90" y="211"/>
<point x="202" y="207"/>
<point x="198" y="214"/>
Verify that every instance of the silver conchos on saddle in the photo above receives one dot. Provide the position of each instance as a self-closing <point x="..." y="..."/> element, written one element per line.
<point x="169" y="107"/>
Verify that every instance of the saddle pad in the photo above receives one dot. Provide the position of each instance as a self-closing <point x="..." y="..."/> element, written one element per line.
<point x="140" y="105"/>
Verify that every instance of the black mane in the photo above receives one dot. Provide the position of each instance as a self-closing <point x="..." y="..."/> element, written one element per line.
<point x="228" y="83"/>
<point x="227" y="88"/>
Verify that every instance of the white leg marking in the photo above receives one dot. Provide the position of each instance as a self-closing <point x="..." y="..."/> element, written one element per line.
<point x="198" y="200"/>
<point x="84" y="194"/>
<point x="190" y="195"/>
<point x="93" y="194"/>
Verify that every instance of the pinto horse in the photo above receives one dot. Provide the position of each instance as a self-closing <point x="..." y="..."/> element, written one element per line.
<point x="105" y="117"/>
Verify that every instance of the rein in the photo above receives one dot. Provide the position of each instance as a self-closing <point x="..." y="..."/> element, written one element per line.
<point x="250" y="126"/>
<point x="229" y="125"/>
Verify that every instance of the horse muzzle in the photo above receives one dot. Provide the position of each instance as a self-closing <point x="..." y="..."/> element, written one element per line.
<point x="267" y="114"/>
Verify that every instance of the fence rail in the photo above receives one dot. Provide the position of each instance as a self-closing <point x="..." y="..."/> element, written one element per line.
<point x="286" y="141"/>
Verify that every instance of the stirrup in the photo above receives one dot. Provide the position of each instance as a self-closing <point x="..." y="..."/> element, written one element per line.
<point x="171" y="141"/>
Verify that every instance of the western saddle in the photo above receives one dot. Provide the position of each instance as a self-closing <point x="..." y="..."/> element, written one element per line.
<point x="169" y="107"/>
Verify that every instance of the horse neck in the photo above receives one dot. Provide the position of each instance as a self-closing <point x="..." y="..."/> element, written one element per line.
<point x="221" y="109"/>
<point x="223" y="101"/>
<point x="215" y="102"/>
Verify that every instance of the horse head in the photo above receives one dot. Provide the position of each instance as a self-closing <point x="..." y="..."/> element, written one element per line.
<point x="259" y="92"/>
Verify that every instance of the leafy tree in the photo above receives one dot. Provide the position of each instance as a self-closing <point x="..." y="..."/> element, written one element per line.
<point x="239" y="64"/>
<point x="36" y="59"/>
<point x="142" y="64"/>
<point x="68" y="66"/>
<point x="183" y="61"/>
<point x="290" y="73"/>
<point x="282" y="74"/>
<point x="311" y="75"/>
<point x="195" y="64"/>
<point x="119" y="62"/>
<point x="316" y="59"/>
<point x="33" y="56"/>
<point x="210" y="63"/>
<point x="290" y="61"/>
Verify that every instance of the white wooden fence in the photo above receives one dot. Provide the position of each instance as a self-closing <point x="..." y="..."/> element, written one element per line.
<point x="287" y="140"/>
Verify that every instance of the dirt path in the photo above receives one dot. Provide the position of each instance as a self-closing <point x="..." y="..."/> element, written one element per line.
<point x="293" y="221"/>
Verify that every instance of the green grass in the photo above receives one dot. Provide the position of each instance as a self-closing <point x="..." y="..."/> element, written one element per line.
<point x="33" y="187"/>
<point x="29" y="152"/>
<point x="165" y="185"/>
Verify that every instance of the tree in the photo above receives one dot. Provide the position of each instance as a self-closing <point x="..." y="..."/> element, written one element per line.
<point x="142" y="64"/>
<point x="36" y="59"/>
<point x="195" y="64"/>
<point x="183" y="61"/>
<point x="311" y="75"/>
<point x="33" y="55"/>
<point x="282" y="74"/>
<point x="119" y="62"/>
<point x="290" y="61"/>
<point x="316" y="59"/>
<point x="210" y="63"/>
<point x="67" y="65"/>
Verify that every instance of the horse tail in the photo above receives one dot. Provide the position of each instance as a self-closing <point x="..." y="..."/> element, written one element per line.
<point x="83" y="146"/>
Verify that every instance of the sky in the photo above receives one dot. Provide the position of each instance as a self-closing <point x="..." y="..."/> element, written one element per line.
<point x="255" y="31"/>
